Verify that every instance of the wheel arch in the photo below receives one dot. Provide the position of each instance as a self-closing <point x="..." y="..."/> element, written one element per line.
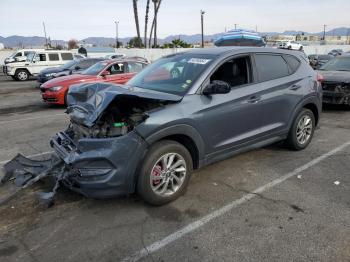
<point x="187" y="136"/>
<point x="312" y="103"/>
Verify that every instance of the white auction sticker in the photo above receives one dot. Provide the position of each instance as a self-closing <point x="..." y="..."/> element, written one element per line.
<point x="200" y="61"/>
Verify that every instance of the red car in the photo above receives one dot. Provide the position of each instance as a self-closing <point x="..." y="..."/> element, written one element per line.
<point x="117" y="71"/>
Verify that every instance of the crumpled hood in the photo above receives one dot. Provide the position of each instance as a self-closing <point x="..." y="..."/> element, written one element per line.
<point x="86" y="102"/>
<point x="335" y="76"/>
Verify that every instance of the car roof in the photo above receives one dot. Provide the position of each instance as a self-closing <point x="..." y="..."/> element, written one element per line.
<point x="237" y="50"/>
<point x="124" y="59"/>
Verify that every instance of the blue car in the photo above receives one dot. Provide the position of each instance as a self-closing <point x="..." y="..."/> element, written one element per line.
<point x="72" y="67"/>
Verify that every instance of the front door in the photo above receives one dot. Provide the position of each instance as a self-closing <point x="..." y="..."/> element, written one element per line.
<point x="234" y="118"/>
<point x="40" y="62"/>
<point x="117" y="74"/>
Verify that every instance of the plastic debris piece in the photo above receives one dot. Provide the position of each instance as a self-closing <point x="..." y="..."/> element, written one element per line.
<point x="336" y="183"/>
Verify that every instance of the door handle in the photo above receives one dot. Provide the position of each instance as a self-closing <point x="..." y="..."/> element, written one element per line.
<point x="295" y="87"/>
<point x="254" y="99"/>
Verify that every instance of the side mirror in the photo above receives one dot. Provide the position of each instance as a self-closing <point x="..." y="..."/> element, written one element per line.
<point x="77" y="68"/>
<point x="105" y="73"/>
<point x="217" y="87"/>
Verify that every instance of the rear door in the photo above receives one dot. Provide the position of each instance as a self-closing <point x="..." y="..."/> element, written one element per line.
<point x="54" y="59"/>
<point x="280" y="89"/>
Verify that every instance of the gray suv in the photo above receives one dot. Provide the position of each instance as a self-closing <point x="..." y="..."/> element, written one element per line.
<point x="181" y="113"/>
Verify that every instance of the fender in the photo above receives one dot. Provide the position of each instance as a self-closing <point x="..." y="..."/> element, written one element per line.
<point x="312" y="99"/>
<point x="180" y="129"/>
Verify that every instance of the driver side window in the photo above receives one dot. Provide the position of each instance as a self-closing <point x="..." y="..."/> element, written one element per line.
<point x="235" y="72"/>
<point x="117" y="68"/>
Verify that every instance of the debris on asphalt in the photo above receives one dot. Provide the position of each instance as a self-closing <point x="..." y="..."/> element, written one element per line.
<point x="336" y="183"/>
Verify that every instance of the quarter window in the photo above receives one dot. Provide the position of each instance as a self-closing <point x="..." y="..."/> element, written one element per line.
<point x="53" y="57"/>
<point x="292" y="62"/>
<point x="67" y="56"/>
<point x="270" y="67"/>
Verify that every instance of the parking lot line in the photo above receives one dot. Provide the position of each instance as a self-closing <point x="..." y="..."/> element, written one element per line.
<point x="30" y="118"/>
<point x="35" y="155"/>
<point x="225" y="209"/>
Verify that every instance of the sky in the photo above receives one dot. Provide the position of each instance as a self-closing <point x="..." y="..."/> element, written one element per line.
<point x="66" y="19"/>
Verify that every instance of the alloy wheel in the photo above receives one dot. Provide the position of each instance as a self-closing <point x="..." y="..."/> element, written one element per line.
<point x="168" y="174"/>
<point x="304" y="129"/>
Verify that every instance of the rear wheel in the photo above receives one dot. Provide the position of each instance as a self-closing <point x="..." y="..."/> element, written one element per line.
<point x="300" y="48"/>
<point x="289" y="47"/>
<point x="165" y="173"/>
<point x="22" y="75"/>
<point x="302" y="130"/>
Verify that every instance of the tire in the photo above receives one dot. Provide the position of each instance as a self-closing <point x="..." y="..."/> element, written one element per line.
<point x="300" y="48"/>
<point x="295" y="141"/>
<point x="157" y="191"/>
<point x="289" y="47"/>
<point x="22" y="75"/>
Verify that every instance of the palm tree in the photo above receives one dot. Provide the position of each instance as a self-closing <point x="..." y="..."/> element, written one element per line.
<point x="146" y="22"/>
<point x="136" y="19"/>
<point x="154" y="23"/>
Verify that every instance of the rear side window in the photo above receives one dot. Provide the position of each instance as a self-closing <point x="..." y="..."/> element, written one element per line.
<point x="270" y="67"/>
<point x="53" y="57"/>
<point x="292" y="62"/>
<point x="135" y="67"/>
<point x="67" y="56"/>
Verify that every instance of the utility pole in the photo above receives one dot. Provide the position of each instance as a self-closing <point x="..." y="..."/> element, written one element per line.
<point x="202" y="16"/>
<point x="45" y="34"/>
<point x="256" y="28"/>
<point x="116" y="33"/>
<point x="324" y="32"/>
<point x="235" y="26"/>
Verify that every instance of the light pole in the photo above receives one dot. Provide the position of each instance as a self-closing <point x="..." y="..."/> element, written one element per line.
<point x="202" y="16"/>
<point x="116" y="33"/>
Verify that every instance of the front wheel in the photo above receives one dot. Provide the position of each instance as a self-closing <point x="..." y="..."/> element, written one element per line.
<point x="165" y="173"/>
<point x="22" y="75"/>
<point x="302" y="130"/>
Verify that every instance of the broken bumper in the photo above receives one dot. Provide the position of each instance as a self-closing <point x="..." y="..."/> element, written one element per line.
<point x="339" y="98"/>
<point x="100" y="167"/>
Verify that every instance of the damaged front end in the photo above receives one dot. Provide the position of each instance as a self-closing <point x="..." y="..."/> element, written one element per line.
<point x="336" y="93"/>
<point x="98" y="154"/>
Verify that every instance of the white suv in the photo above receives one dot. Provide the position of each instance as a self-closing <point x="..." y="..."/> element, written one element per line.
<point x="37" y="61"/>
<point x="293" y="45"/>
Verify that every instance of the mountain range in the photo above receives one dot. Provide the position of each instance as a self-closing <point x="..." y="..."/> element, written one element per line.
<point x="32" y="41"/>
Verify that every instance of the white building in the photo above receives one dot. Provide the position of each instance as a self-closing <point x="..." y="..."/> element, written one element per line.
<point x="2" y="46"/>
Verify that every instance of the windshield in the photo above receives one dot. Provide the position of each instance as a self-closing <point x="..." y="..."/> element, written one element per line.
<point x="337" y="64"/>
<point x="69" y="65"/>
<point x="95" y="69"/>
<point x="173" y="74"/>
<point x="30" y="57"/>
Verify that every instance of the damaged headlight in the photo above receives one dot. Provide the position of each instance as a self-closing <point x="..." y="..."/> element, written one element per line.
<point x="55" y="88"/>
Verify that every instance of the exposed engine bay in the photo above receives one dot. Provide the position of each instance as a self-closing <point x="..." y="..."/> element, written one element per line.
<point x="120" y="117"/>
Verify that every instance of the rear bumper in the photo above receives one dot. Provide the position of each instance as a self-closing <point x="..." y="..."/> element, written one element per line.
<point x="100" y="167"/>
<point x="337" y="98"/>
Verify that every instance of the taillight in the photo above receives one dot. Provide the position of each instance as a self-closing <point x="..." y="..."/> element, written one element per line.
<point x="319" y="78"/>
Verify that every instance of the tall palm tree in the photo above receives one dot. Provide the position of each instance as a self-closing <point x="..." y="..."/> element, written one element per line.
<point x="154" y="22"/>
<point x="136" y="15"/>
<point x="146" y="23"/>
